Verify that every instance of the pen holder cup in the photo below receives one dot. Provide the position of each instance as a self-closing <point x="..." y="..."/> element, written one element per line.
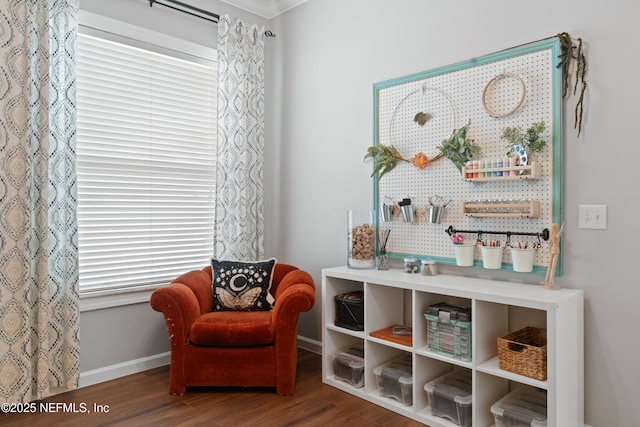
<point x="522" y="259"/>
<point x="492" y="257"/>
<point x="465" y="254"/>
<point x="435" y="214"/>
<point x="387" y="213"/>
<point x="407" y="213"/>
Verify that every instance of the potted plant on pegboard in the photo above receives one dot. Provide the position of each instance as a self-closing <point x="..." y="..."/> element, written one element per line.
<point x="521" y="143"/>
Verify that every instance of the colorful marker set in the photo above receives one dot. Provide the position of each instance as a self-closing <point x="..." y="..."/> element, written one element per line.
<point x="494" y="243"/>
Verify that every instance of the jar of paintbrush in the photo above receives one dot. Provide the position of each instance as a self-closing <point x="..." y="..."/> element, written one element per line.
<point x="383" y="259"/>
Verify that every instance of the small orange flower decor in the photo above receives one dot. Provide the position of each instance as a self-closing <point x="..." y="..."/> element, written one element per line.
<point x="420" y="160"/>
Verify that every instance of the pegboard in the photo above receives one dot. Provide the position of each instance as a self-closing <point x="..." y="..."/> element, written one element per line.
<point x="528" y="91"/>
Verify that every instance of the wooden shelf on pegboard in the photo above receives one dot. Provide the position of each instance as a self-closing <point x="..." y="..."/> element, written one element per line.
<point x="514" y="209"/>
<point x="530" y="171"/>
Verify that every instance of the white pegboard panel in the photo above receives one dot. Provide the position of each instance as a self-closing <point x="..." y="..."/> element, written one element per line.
<point x="454" y="99"/>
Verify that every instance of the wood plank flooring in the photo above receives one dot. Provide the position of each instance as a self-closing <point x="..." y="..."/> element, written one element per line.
<point x="143" y="399"/>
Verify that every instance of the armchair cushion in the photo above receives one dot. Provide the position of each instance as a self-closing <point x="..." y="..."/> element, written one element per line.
<point x="242" y="286"/>
<point x="232" y="329"/>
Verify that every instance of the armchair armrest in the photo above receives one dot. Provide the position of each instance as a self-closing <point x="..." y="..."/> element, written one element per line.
<point x="296" y="294"/>
<point x="180" y="308"/>
<point x="292" y="278"/>
<point x="182" y="302"/>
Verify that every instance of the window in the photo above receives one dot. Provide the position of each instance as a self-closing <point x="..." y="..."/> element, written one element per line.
<point x="146" y="164"/>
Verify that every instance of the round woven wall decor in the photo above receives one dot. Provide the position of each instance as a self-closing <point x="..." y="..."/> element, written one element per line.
<point x="510" y="89"/>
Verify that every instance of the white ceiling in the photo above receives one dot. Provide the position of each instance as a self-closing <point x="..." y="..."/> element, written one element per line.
<point x="266" y="8"/>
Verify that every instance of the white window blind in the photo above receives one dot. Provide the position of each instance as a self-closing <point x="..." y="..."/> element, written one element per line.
<point x="146" y="165"/>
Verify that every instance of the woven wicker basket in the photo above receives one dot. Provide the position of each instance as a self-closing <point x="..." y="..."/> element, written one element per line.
<point x="524" y="352"/>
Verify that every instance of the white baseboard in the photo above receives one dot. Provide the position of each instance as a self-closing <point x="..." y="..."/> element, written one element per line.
<point x="118" y="370"/>
<point x="313" y="346"/>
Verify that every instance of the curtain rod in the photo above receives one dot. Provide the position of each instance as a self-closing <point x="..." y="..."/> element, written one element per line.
<point x="195" y="11"/>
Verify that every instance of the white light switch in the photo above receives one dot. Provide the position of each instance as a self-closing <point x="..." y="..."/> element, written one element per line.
<point x="592" y="217"/>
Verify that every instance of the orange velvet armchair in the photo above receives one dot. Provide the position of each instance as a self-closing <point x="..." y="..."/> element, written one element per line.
<point x="233" y="348"/>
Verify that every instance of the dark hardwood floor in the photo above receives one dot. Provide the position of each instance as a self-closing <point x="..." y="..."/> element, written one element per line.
<point x="143" y="399"/>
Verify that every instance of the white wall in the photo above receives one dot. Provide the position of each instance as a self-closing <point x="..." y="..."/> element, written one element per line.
<point x="329" y="54"/>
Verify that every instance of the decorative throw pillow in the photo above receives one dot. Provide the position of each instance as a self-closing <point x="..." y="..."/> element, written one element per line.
<point x="242" y="286"/>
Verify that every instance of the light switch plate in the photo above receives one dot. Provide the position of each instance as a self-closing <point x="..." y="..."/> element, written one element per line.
<point x="592" y="217"/>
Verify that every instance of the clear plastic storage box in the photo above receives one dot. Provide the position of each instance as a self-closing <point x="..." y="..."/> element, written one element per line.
<point x="395" y="379"/>
<point x="348" y="365"/>
<point x="525" y="407"/>
<point x="449" y="330"/>
<point x="450" y="397"/>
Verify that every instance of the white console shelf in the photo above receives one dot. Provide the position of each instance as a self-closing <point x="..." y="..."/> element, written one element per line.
<point x="498" y="308"/>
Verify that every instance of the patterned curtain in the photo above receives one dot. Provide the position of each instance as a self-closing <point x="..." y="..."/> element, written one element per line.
<point x="239" y="224"/>
<point x="38" y="227"/>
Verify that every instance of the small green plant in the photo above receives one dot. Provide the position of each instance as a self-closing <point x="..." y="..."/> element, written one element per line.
<point x="458" y="148"/>
<point x="386" y="158"/>
<point x="529" y="139"/>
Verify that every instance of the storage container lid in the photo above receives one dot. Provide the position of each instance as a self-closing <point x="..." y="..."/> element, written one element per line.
<point x="454" y="386"/>
<point x="526" y="405"/>
<point x="394" y="374"/>
<point x="398" y="369"/>
<point x="352" y="357"/>
<point x="349" y="361"/>
<point x="446" y="313"/>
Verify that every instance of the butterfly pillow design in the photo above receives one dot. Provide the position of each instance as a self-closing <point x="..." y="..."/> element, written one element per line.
<point x="242" y="286"/>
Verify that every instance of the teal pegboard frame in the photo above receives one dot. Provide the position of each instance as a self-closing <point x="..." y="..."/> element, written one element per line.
<point x="552" y="77"/>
